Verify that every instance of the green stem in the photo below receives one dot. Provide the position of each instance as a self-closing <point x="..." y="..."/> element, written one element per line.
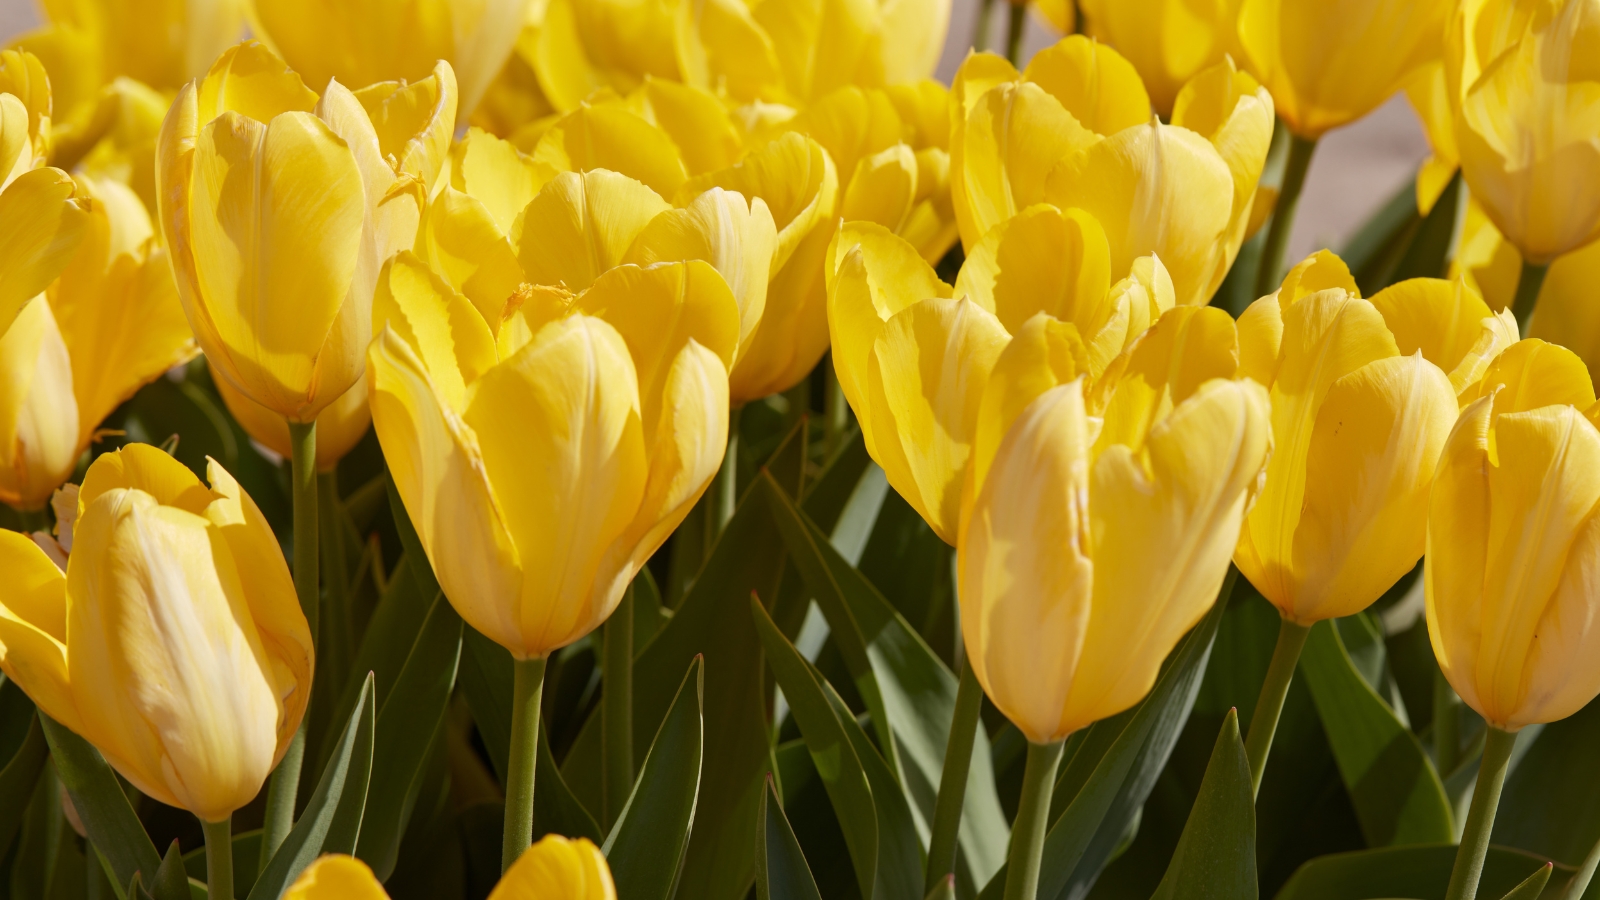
<point x="1528" y="286"/>
<point x="333" y="646"/>
<point x="1264" y="722"/>
<point x="1033" y="814"/>
<point x="1580" y="881"/>
<point x="953" y="780"/>
<point x="616" y="700"/>
<point x="1016" y="19"/>
<point x="980" y="31"/>
<point x="728" y="476"/>
<point x="283" y="788"/>
<point x="1474" y="846"/>
<point x="1294" y="178"/>
<point x="1446" y="725"/>
<point x="219" y="858"/>
<point x="526" y="693"/>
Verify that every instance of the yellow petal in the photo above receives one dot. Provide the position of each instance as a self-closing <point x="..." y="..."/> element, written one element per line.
<point x="414" y="122"/>
<point x="1185" y="348"/>
<point x="461" y="241"/>
<point x="254" y="82"/>
<point x="580" y="225"/>
<point x="557" y="867"/>
<point x="1531" y="374"/>
<point x="1448" y="323"/>
<point x="793" y="333"/>
<point x="1168" y="41"/>
<point x="851" y="124"/>
<point x="925" y="379"/>
<point x="882" y="188"/>
<point x="41" y="225"/>
<point x="38" y="411"/>
<point x="449" y="336"/>
<point x="1094" y="83"/>
<point x="700" y="126"/>
<point x="33" y="627"/>
<point x="1041" y="260"/>
<point x="340" y="426"/>
<point x="336" y="877"/>
<point x="793" y="176"/>
<point x="608" y="136"/>
<point x="499" y="176"/>
<point x="824" y="46"/>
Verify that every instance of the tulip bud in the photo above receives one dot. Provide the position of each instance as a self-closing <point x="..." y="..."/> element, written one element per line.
<point x="555" y="867"/>
<point x="1328" y="64"/>
<point x="544" y="457"/>
<point x="1086" y="551"/>
<point x="1357" y="426"/>
<point x="1526" y="97"/>
<point x="280" y="207"/>
<point x="364" y="42"/>
<point x="173" y="641"/>
<point x="1514" y="539"/>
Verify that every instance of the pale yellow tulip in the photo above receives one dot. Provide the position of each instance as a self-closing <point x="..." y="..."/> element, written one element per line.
<point x="173" y="641"/>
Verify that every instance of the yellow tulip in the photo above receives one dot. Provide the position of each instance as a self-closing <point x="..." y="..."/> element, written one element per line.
<point x="1329" y="64"/>
<point x="1075" y="130"/>
<point x="1514" y="540"/>
<point x="1084" y="557"/>
<point x="25" y="107"/>
<point x="1361" y="405"/>
<point x="365" y="42"/>
<point x="913" y="358"/>
<point x="544" y="454"/>
<point x="340" y="426"/>
<point x="108" y="326"/>
<point x="280" y="207"/>
<point x="160" y="43"/>
<point x="555" y="868"/>
<point x="1526" y="97"/>
<point x="1168" y="41"/>
<point x="173" y="641"/>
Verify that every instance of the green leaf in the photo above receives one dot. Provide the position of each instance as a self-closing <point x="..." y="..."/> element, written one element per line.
<point x="905" y="685"/>
<point x="556" y="810"/>
<point x="1551" y="803"/>
<point x="487" y="681"/>
<point x="1378" y="244"/>
<point x="646" y="846"/>
<point x="171" y="881"/>
<point x="331" y="821"/>
<point x="712" y="621"/>
<point x="1420" y="870"/>
<point x="1216" y="856"/>
<point x="1397" y="794"/>
<point x="1428" y="255"/>
<point x="407" y="721"/>
<point x="17" y="781"/>
<point x="1530" y="888"/>
<point x="900" y="857"/>
<point x="781" y="869"/>
<point x="831" y="750"/>
<point x="944" y="890"/>
<point x="104" y="809"/>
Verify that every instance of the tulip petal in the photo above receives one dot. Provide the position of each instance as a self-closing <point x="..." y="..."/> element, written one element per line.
<point x="572" y="869"/>
<point x="33" y="627"/>
<point x="499" y="176"/>
<point x="1011" y="141"/>
<point x="41" y="226"/>
<point x="149" y="469"/>
<point x="581" y="225"/>
<point x="1448" y="323"/>
<point x="449" y="336"/>
<point x="1167" y="364"/>
<point x="608" y="136"/>
<point x="1531" y="374"/>
<point x="254" y="82"/>
<point x="38" y="410"/>
<point x="414" y="122"/>
<point x="1094" y="83"/>
<point x="793" y="175"/>
<point x="461" y="241"/>
<point x="793" y="333"/>
<point x="882" y="188"/>
<point x="336" y="877"/>
<point x="1041" y="260"/>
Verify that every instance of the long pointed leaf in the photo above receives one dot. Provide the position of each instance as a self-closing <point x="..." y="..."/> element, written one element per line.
<point x="646" y="847"/>
<point x="331" y="822"/>
<point x="17" y="780"/>
<point x="900" y="856"/>
<point x="107" y="815"/>
<point x="1216" y="856"/>
<point x="1420" y="870"/>
<point x="781" y="869"/>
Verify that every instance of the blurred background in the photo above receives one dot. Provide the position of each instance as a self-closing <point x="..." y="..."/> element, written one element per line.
<point x="1355" y="170"/>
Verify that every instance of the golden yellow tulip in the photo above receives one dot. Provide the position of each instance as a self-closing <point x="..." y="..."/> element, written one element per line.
<point x="108" y="326"/>
<point x="280" y="207"/>
<point x="555" y="868"/>
<point x="25" y="107"/>
<point x="1083" y="558"/>
<point x="1361" y="405"/>
<point x="545" y="455"/>
<point x="173" y="641"/>
<point x="1328" y="64"/>
<point x="1075" y="130"/>
<point x="1168" y="41"/>
<point x="913" y="358"/>
<point x="160" y="43"/>
<point x="1513" y="538"/>
<point x="340" y="426"/>
<point x="363" y="42"/>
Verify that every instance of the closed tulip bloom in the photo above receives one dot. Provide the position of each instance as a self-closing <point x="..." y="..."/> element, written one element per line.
<point x="1168" y="41"/>
<point x="1328" y="64"/>
<point x="1086" y="551"/>
<point x="366" y="42"/>
<point x="1361" y="405"/>
<point x="340" y="426"/>
<point x="556" y="868"/>
<point x="1514" y="541"/>
<point x="280" y="207"/>
<point x="1526" y="96"/>
<point x="173" y="641"/>
<point x="1075" y="130"/>
<point x="545" y="455"/>
<point x="108" y="326"/>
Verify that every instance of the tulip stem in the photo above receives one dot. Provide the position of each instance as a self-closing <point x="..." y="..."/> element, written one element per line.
<point x="333" y="645"/>
<point x="616" y="699"/>
<point x="727" y="496"/>
<point x="1528" y="287"/>
<point x="1016" y="19"/>
<point x="1474" y="846"/>
<point x="1269" y="707"/>
<point x="953" y="780"/>
<point x="526" y="694"/>
<point x="980" y="31"/>
<point x="219" y="858"/>
<point x="1294" y="178"/>
<point x="1033" y="814"/>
